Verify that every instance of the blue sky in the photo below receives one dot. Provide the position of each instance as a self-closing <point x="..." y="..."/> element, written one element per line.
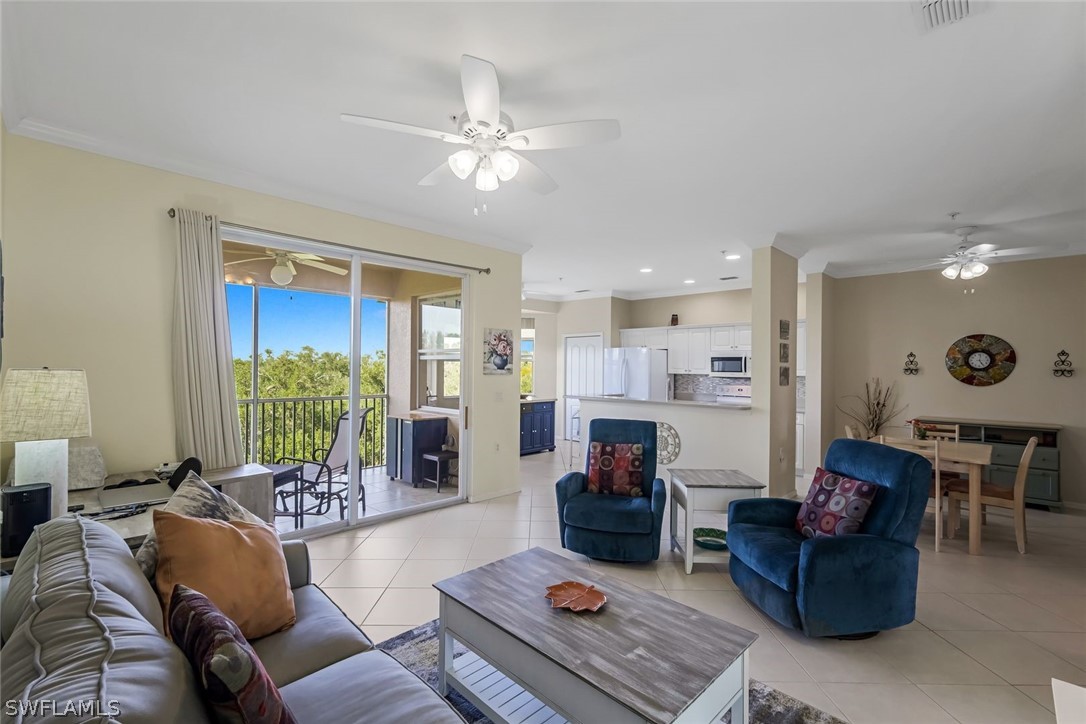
<point x="291" y="319"/>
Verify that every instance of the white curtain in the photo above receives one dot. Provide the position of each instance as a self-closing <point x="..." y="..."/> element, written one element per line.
<point x="203" y="378"/>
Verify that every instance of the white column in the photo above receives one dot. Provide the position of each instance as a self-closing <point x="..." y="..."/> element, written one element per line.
<point x="821" y="395"/>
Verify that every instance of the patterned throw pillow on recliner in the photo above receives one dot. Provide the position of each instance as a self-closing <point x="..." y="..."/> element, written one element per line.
<point x="616" y="468"/>
<point x="835" y="505"/>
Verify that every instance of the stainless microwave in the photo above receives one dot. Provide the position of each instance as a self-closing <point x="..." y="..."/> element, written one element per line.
<point x="733" y="365"/>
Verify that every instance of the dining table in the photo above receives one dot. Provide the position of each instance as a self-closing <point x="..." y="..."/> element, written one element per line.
<point x="969" y="458"/>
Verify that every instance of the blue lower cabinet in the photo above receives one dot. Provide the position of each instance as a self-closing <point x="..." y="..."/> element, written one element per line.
<point x="536" y="427"/>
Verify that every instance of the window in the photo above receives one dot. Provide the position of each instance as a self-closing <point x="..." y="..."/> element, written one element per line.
<point x="527" y="355"/>
<point x="439" y="351"/>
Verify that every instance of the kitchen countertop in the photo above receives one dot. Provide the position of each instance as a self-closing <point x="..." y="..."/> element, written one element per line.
<point x="687" y="403"/>
<point x="539" y="399"/>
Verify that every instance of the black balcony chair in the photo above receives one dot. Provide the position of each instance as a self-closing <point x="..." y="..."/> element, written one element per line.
<point x="324" y="473"/>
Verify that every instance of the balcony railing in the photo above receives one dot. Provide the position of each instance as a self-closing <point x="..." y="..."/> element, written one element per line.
<point x="301" y="426"/>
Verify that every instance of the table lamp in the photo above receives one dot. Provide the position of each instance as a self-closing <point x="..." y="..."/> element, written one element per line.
<point x="40" y="409"/>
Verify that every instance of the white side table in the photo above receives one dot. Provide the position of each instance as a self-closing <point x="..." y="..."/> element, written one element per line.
<point x="694" y="490"/>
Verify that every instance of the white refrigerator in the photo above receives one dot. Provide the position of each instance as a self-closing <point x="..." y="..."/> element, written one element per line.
<point x="637" y="373"/>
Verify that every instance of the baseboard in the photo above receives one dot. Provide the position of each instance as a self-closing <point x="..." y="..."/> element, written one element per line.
<point x="1073" y="506"/>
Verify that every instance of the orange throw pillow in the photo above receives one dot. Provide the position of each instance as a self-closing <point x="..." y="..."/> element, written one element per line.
<point x="239" y="566"/>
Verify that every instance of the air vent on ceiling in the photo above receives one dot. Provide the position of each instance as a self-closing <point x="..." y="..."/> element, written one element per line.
<point x="727" y="279"/>
<point x="581" y="291"/>
<point x="943" y="12"/>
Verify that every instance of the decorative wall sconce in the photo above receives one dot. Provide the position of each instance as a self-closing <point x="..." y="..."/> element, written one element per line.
<point x="1062" y="366"/>
<point x="912" y="367"/>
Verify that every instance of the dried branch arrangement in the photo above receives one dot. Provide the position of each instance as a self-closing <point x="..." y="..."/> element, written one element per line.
<point x="876" y="407"/>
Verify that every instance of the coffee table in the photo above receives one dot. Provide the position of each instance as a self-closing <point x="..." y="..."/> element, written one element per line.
<point x="693" y="490"/>
<point x="640" y="658"/>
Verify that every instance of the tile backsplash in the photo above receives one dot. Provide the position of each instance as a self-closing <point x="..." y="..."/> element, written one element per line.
<point x="705" y="385"/>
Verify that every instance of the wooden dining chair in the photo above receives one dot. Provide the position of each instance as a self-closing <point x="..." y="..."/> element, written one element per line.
<point x="941" y="431"/>
<point x="850" y="433"/>
<point x="930" y="450"/>
<point x="1013" y="498"/>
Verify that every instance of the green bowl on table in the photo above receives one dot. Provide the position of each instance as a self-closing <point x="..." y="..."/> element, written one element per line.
<point x="712" y="538"/>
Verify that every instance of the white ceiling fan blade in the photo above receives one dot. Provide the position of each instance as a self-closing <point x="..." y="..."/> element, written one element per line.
<point x="243" y="261"/>
<point x="981" y="249"/>
<point x="290" y="265"/>
<point x="564" y="135"/>
<point x="479" y="80"/>
<point x="402" y="128"/>
<point x="321" y="265"/>
<point x="439" y="174"/>
<point x="1021" y="251"/>
<point x="298" y="256"/>
<point x="533" y="176"/>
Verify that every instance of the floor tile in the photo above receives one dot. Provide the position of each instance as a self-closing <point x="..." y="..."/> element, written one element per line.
<point x="319" y="568"/>
<point x="1014" y="657"/>
<point x="467" y="511"/>
<point x="404" y="527"/>
<point x="447" y="548"/>
<point x="953" y="579"/>
<point x="388" y="548"/>
<point x="886" y="704"/>
<point x="508" y="512"/>
<point x="941" y="612"/>
<point x="355" y="602"/>
<point x="704" y="578"/>
<point x="1071" y="607"/>
<point x="770" y="662"/>
<point x="554" y="545"/>
<point x="1070" y="647"/>
<point x="492" y="549"/>
<point x="378" y="634"/>
<point x="547" y="513"/>
<point x="504" y="529"/>
<point x="420" y="573"/>
<point x="1015" y="613"/>
<point x="404" y="606"/>
<point x="443" y="528"/>
<point x="809" y="693"/>
<point x="833" y="661"/>
<point x="545" y="529"/>
<point x="640" y="575"/>
<point x="363" y="574"/>
<point x="336" y="546"/>
<point x="988" y="704"/>
<point x="926" y="658"/>
<point x="1040" y="694"/>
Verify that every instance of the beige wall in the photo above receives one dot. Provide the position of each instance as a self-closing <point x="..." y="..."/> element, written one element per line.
<point x="1037" y="306"/>
<point x="546" y="353"/>
<point x="707" y="308"/>
<point x="89" y="265"/>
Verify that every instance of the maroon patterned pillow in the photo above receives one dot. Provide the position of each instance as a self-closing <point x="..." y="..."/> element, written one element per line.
<point x="236" y="686"/>
<point x="615" y="468"/>
<point x="835" y="505"/>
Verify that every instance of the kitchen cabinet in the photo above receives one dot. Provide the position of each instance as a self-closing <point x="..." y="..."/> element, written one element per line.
<point x="801" y="349"/>
<point x="730" y="337"/>
<point x="408" y="439"/>
<point x="536" y="426"/>
<point x="688" y="351"/>
<point x="651" y="337"/>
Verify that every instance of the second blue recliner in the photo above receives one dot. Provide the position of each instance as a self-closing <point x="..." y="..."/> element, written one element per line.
<point x="614" y="527"/>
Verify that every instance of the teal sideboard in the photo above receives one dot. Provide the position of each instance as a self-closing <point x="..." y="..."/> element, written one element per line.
<point x="1007" y="440"/>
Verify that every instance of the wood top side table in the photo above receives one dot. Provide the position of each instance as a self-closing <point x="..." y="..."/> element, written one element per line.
<point x="704" y="489"/>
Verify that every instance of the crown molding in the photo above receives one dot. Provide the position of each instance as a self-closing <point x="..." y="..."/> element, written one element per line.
<point x="50" y="133"/>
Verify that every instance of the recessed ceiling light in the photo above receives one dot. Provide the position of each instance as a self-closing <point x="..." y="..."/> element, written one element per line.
<point x="646" y="270"/>
<point x="688" y="281"/>
<point x="733" y="257"/>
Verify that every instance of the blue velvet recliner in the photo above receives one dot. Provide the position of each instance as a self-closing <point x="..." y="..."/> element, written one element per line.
<point x="844" y="585"/>
<point x="614" y="527"/>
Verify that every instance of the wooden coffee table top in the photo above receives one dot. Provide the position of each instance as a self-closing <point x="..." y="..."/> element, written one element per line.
<point x="647" y="652"/>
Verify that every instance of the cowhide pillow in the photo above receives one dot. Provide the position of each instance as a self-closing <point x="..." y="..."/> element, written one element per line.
<point x="197" y="499"/>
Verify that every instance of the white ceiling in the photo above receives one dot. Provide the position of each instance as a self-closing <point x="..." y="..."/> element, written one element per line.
<point x="842" y="132"/>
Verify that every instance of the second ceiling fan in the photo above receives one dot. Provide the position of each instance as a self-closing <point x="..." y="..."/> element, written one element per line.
<point x="492" y="142"/>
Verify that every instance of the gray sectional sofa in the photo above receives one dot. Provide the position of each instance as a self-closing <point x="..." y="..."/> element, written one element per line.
<point x="81" y="624"/>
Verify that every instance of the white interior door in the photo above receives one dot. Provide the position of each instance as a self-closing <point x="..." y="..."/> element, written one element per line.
<point x="584" y="376"/>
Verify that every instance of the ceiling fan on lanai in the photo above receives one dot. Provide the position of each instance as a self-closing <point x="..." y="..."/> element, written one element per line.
<point x="283" y="270"/>
<point x="491" y="140"/>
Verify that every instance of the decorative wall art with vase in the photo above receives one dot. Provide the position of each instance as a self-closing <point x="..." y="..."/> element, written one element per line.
<point x="497" y="351"/>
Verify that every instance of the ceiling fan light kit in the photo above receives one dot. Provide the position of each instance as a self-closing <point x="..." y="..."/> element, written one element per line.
<point x="490" y="137"/>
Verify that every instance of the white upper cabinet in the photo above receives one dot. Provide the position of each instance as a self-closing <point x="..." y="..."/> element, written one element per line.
<point x="656" y="338"/>
<point x="633" y="337"/>
<point x="730" y="337"/>
<point x="688" y="351"/>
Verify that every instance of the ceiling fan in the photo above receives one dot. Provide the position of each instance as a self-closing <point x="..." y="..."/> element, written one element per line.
<point x="282" y="273"/>
<point x="967" y="261"/>
<point x="491" y="139"/>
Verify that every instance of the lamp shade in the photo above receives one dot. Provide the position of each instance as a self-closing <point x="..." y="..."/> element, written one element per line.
<point x="44" y="404"/>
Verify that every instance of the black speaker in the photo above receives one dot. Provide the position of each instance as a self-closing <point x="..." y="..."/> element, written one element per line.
<point x="23" y="507"/>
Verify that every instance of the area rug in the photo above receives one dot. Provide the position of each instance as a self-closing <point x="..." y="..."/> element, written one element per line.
<point x="417" y="650"/>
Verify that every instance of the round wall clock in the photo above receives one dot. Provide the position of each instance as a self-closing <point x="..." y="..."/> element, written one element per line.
<point x="980" y="360"/>
<point x="667" y="443"/>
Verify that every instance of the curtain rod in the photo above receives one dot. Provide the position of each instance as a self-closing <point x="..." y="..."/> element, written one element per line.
<point x="347" y="247"/>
